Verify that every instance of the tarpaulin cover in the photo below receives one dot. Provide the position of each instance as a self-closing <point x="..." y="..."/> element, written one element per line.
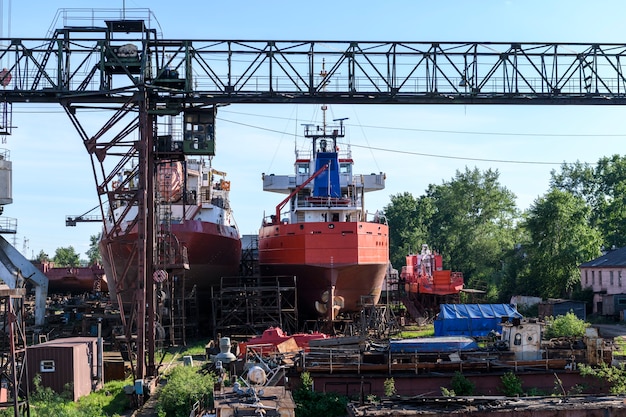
<point x="433" y="344"/>
<point x="474" y="320"/>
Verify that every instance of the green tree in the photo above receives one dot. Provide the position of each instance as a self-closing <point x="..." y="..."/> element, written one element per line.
<point x="603" y="187"/>
<point x="473" y="224"/>
<point x="42" y="257"/>
<point x="93" y="254"/>
<point x="561" y="238"/>
<point x="408" y="219"/>
<point x="66" y="257"/>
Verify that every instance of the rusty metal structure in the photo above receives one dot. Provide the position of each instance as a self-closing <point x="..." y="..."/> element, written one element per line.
<point x="122" y="64"/>
<point x="14" y="381"/>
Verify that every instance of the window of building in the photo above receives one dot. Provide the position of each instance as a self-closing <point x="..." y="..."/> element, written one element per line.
<point x="619" y="278"/>
<point x="586" y="277"/>
<point x="47" y="366"/>
<point x="611" y="277"/>
<point x="600" y="277"/>
<point x="593" y="277"/>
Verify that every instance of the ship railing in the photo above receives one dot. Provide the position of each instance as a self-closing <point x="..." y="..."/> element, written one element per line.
<point x="345" y="203"/>
<point x="332" y="359"/>
<point x="344" y="153"/>
<point x="8" y="225"/>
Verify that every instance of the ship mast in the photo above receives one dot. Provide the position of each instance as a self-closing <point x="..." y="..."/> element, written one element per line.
<point x="323" y="74"/>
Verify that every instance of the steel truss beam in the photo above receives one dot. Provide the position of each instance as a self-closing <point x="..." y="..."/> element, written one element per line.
<point x="75" y="66"/>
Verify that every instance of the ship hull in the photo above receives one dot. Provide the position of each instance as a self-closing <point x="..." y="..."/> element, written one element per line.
<point x="213" y="251"/>
<point x="347" y="259"/>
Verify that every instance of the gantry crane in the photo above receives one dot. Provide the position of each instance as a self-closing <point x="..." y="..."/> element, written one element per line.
<point x="124" y="65"/>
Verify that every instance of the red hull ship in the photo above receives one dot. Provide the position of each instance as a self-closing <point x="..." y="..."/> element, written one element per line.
<point x="198" y="230"/>
<point x="74" y="280"/>
<point x="338" y="256"/>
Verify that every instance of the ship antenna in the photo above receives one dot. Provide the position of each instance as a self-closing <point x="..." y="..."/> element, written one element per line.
<point x="323" y="74"/>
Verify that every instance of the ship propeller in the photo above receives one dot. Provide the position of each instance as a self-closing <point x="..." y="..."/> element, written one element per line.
<point x="322" y="307"/>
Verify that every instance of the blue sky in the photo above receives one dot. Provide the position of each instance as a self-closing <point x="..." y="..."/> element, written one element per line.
<point x="52" y="173"/>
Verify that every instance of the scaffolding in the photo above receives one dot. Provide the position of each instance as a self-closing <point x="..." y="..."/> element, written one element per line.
<point x="249" y="305"/>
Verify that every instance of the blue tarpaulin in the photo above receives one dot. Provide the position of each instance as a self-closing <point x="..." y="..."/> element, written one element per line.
<point x="433" y="345"/>
<point x="474" y="320"/>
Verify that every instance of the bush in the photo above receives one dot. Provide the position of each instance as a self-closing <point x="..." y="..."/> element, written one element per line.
<point x="512" y="385"/>
<point x="390" y="387"/>
<point x="314" y="404"/>
<point x="614" y="375"/>
<point x="461" y="385"/>
<point x="564" y="326"/>
<point x="185" y="385"/>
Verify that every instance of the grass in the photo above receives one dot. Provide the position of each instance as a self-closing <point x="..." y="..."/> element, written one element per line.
<point x="620" y="346"/>
<point x="111" y="398"/>
<point x="410" y="332"/>
<point x="195" y="348"/>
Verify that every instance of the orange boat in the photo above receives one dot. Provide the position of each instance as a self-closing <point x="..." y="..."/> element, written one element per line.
<point x="424" y="274"/>
<point x="338" y="253"/>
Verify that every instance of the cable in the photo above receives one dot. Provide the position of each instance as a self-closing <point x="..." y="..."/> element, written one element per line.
<point x="458" y="132"/>
<point x="502" y="161"/>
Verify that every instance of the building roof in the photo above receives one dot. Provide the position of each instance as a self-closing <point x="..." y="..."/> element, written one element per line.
<point x="615" y="257"/>
<point x="65" y="342"/>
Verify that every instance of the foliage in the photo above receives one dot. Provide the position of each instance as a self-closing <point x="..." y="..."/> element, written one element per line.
<point x="310" y="403"/>
<point x="461" y="385"/>
<point x="390" y="387"/>
<point x="185" y="385"/>
<point x="512" y="384"/>
<point x="614" y="375"/>
<point x="470" y="220"/>
<point x="565" y="326"/>
<point x="93" y="253"/>
<point x="447" y="392"/>
<point x="107" y="402"/>
<point x="407" y="219"/>
<point x="43" y="256"/>
<point x="66" y="257"/>
<point x="473" y="224"/>
<point x="602" y="186"/>
<point x="111" y="399"/>
<point x="561" y="238"/>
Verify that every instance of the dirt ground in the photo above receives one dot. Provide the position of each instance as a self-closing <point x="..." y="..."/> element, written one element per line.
<point x="610" y="330"/>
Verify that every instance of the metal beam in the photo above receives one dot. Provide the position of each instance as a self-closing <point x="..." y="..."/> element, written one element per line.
<point x="81" y="66"/>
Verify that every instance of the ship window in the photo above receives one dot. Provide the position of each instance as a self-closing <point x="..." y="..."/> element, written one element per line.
<point x="47" y="366"/>
<point x="518" y="339"/>
<point x="303" y="168"/>
<point x="344" y="168"/>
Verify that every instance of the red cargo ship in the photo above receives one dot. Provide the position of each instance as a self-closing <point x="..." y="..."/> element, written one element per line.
<point x="195" y="221"/>
<point x="338" y="253"/>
